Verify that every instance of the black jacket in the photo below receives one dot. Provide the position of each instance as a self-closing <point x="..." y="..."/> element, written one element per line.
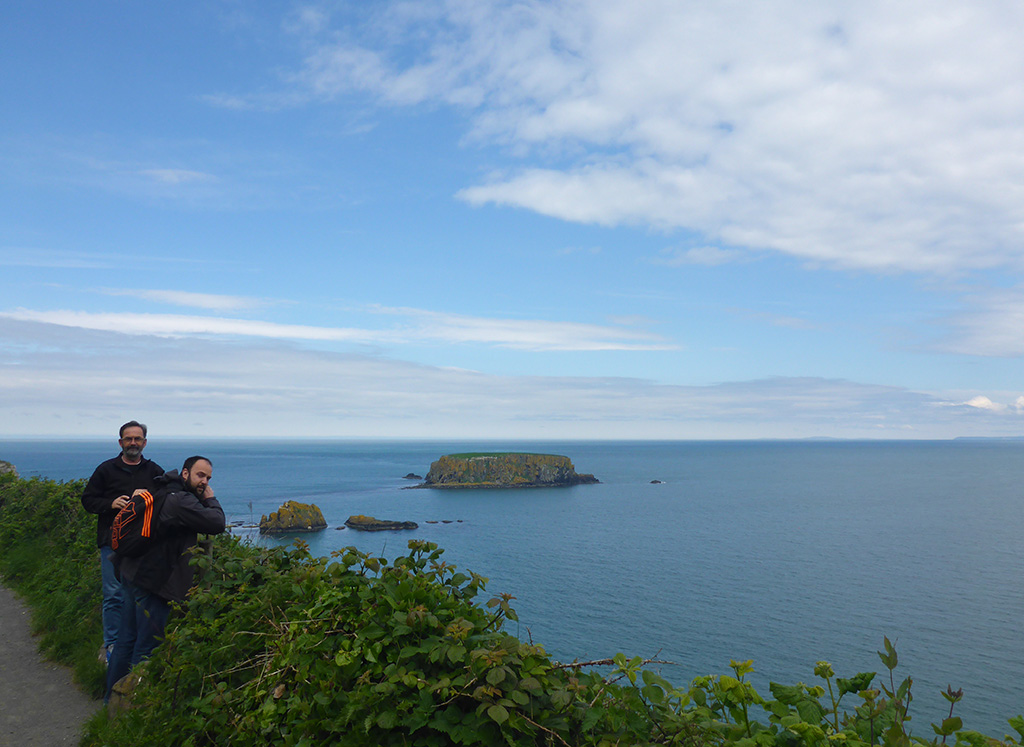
<point x="164" y="569"/>
<point x="111" y="479"/>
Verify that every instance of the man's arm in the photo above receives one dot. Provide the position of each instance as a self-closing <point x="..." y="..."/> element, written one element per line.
<point x="204" y="516"/>
<point x="94" y="497"/>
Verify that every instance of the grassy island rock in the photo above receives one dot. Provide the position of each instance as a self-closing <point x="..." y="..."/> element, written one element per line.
<point x="293" y="517"/>
<point x="370" y="524"/>
<point x="7" y="467"/>
<point x="504" y="470"/>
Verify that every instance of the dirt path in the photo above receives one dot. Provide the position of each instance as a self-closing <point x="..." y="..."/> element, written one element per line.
<point x="39" y="704"/>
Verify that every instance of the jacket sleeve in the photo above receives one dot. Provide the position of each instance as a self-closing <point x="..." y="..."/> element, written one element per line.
<point x="188" y="512"/>
<point x="94" y="497"/>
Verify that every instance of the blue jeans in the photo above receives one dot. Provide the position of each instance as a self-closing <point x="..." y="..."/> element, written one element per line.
<point x="143" y="619"/>
<point x="111" y="597"/>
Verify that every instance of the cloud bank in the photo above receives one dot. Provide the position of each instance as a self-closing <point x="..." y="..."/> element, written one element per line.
<point x="867" y="135"/>
<point x="52" y="381"/>
<point x="418" y="326"/>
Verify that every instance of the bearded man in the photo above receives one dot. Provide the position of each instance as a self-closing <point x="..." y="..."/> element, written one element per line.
<point x="163" y="574"/>
<point x="105" y="494"/>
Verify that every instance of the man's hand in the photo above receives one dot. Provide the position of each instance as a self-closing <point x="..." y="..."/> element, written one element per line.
<point x="207" y="493"/>
<point x="120" y="502"/>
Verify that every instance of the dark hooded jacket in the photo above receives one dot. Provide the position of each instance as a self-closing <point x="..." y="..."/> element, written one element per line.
<point x="111" y="479"/>
<point x="164" y="569"/>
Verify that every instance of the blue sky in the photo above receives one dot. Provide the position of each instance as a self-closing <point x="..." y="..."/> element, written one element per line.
<point x="512" y="219"/>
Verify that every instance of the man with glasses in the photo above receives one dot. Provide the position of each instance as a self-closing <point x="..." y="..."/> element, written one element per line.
<point x="106" y="493"/>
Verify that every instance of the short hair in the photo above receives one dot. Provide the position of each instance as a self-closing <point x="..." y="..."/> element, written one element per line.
<point x="191" y="461"/>
<point x="132" y="424"/>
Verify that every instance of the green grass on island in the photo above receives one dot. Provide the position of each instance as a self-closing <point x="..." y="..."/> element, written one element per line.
<point x="475" y="454"/>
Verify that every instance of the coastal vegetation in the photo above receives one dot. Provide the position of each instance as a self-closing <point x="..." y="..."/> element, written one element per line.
<point x="48" y="555"/>
<point x="503" y="470"/>
<point x="276" y="646"/>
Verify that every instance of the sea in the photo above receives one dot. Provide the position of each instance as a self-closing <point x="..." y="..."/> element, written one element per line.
<point x="691" y="553"/>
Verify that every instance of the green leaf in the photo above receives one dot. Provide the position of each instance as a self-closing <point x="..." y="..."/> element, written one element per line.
<point x="855" y="684"/>
<point x="530" y="683"/>
<point x="591" y="718"/>
<point x="728" y="683"/>
<point x="561" y="698"/>
<point x="653" y="693"/>
<point x="498" y="714"/>
<point x="904" y="688"/>
<point x="788" y="694"/>
<point x="949" y="726"/>
<point x="810" y="711"/>
<point x="1017" y="722"/>
<point x="650" y="678"/>
<point x="889" y="658"/>
<point x="741" y="667"/>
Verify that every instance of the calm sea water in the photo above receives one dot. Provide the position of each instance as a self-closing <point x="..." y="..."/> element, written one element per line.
<point x="781" y="552"/>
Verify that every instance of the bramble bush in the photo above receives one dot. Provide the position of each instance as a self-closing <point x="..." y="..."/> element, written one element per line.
<point x="278" y="647"/>
<point x="48" y="555"/>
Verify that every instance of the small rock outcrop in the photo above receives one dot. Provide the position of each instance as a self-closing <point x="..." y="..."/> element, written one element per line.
<point x="123" y="692"/>
<point x="413" y="476"/>
<point x="370" y="524"/>
<point x="7" y="467"/>
<point x="504" y="470"/>
<point x="293" y="517"/>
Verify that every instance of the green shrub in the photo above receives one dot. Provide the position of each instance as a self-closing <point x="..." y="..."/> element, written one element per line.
<point x="279" y="647"/>
<point x="276" y="647"/>
<point x="48" y="555"/>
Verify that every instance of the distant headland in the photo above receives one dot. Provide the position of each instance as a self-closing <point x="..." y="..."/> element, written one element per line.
<point x="503" y="470"/>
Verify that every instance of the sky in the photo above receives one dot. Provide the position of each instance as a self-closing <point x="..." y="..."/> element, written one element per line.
<point x="513" y="220"/>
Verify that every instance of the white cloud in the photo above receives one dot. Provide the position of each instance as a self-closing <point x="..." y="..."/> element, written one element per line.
<point x="709" y="256"/>
<point x="228" y="101"/>
<point x="777" y="320"/>
<point x="52" y="382"/>
<point x="176" y="176"/>
<point x="51" y="258"/>
<point x="179" y="325"/>
<point x="982" y="402"/>
<point x="190" y="299"/>
<point x="23" y="257"/>
<point x="307" y="20"/>
<point x="528" y="334"/>
<point x="864" y="135"/>
<point x="992" y="324"/>
<point x="418" y="326"/>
